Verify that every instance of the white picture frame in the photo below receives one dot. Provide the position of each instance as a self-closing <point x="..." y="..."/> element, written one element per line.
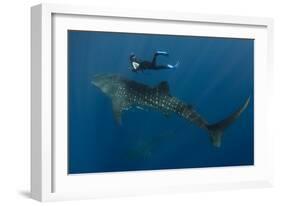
<point x="49" y="178"/>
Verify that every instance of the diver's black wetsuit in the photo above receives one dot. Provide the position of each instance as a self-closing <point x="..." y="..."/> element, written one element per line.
<point x="141" y="65"/>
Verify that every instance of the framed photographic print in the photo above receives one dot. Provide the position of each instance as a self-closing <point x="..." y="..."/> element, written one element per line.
<point x="135" y="102"/>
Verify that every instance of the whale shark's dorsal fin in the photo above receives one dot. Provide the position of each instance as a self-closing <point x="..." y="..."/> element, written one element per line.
<point x="163" y="87"/>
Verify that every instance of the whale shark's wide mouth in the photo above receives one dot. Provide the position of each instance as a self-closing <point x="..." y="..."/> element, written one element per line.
<point x="100" y="79"/>
<point x="97" y="78"/>
<point x="106" y="82"/>
<point x="104" y="78"/>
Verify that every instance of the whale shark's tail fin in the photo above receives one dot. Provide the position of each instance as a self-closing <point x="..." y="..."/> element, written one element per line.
<point x="216" y="130"/>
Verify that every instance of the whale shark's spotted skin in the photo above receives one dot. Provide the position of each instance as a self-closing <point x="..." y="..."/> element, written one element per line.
<point x="140" y="95"/>
<point x="126" y="94"/>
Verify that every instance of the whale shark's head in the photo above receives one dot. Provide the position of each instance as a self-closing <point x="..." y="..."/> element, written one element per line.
<point x="107" y="83"/>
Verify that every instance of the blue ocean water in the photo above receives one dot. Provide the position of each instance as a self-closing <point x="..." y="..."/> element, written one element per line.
<point x="215" y="76"/>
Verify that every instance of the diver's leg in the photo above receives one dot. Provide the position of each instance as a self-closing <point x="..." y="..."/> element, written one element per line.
<point x="168" y="66"/>
<point x="157" y="53"/>
<point x="173" y="66"/>
<point x="154" y="60"/>
<point x="162" y="53"/>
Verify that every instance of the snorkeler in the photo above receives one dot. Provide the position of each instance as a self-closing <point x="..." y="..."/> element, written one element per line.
<point x="141" y="65"/>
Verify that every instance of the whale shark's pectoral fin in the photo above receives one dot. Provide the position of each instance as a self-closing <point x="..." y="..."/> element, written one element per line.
<point x="163" y="88"/>
<point x="117" y="107"/>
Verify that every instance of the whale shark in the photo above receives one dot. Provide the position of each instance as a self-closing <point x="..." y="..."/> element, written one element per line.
<point x="126" y="94"/>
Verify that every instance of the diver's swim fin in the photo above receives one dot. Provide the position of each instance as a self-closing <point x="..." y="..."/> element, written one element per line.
<point x="173" y="66"/>
<point x="177" y="64"/>
<point x="216" y="130"/>
<point x="162" y="53"/>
